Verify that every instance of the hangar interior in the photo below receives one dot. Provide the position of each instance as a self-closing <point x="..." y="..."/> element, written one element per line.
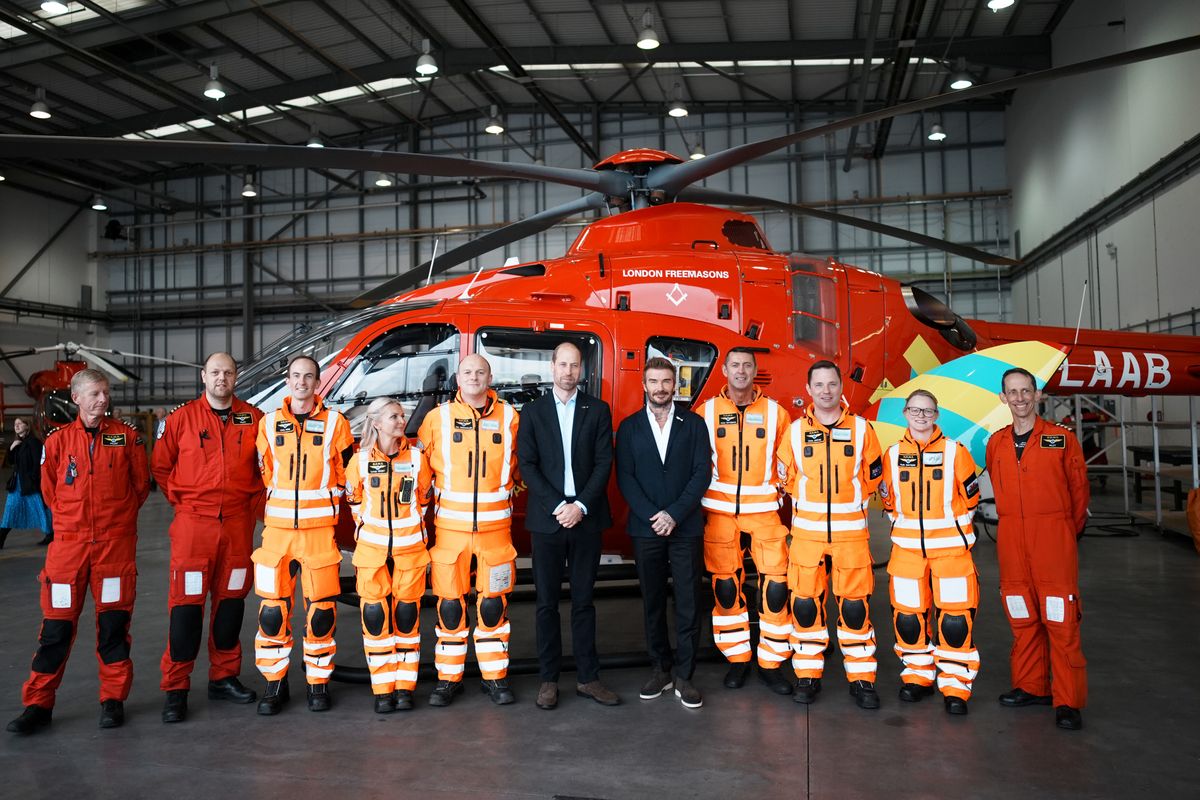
<point x="1088" y="183"/>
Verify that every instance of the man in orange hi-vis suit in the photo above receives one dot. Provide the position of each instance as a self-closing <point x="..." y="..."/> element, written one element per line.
<point x="833" y="466"/>
<point x="745" y="428"/>
<point x="1040" y="478"/>
<point x="470" y="442"/>
<point x="302" y="449"/>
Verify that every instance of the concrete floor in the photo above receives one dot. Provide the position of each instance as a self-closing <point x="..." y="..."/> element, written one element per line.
<point x="1141" y="634"/>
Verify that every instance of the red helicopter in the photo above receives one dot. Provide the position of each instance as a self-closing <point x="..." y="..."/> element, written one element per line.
<point x="671" y="275"/>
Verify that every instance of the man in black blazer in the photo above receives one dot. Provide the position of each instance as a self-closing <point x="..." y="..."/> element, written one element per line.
<point x="664" y="464"/>
<point x="564" y="450"/>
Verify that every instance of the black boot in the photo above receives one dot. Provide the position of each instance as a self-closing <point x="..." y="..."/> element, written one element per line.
<point x="735" y="678"/>
<point x="864" y="694"/>
<point x="385" y="703"/>
<point x="274" y="698"/>
<point x="32" y="719"/>
<point x="443" y="693"/>
<point x="175" y="706"/>
<point x="112" y="714"/>
<point x="318" y="697"/>
<point x="807" y="690"/>
<point x="499" y="691"/>
<point x="404" y="699"/>
<point x="775" y="680"/>
<point x="230" y="689"/>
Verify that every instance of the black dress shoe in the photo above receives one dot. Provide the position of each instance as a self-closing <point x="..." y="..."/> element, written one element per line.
<point x="403" y="699"/>
<point x="112" y="714"/>
<point x="1067" y="718"/>
<point x="807" y="690"/>
<point x="385" y="703"/>
<point x="32" y="719"/>
<point x="274" y="698"/>
<point x="956" y="706"/>
<point x="175" y="706"/>
<point x="498" y="690"/>
<point x="444" y="692"/>
<point x="735" y="678"/>
<point x="1020" y="697"/>
<point x="319" y="698"/>
<point x="914" y="692"/>
<point x="775" y="680"/>
<point x="231" y="689"/>
<point x="864" y="694"/>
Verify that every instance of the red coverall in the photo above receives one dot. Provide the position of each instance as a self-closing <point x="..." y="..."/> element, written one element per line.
<point x="1042" y="503"/>
<point x="94" y="486"/>
<point x="208" y="469"/>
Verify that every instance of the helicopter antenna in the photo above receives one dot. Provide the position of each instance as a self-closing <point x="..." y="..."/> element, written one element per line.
<point x="432" y="259"/>
<point x="1079" y="321"/>
<point x="466" y="295"/>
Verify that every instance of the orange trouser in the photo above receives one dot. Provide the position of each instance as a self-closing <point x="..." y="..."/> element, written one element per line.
<point x="946" y="581"/>
<point x="723" y="559"/>
<point x="496" y="570"/>
<point x="74" y="566"/>
<point x="853" y="582"/>
<point x="390" y="601"/>
<point x="313" y="553"/>
<point x="208" y="556"/>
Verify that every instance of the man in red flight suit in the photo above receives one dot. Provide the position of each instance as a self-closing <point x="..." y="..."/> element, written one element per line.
<point x="206" y="463"/>
<point x="1040" y="479"/>
<point x="94" y="480"/>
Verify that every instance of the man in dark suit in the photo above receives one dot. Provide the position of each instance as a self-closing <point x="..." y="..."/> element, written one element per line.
<point x="564" y="450"/>
<point x="663" y="467"/>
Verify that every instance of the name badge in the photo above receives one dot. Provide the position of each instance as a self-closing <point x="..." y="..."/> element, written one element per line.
<point x="284" y="426"/>
<point x="376" y="467"/>
<point x="489" y="425"/>
<point x="932" y="459"/>
<point x="243" y="418"/>
<point x="464" y="424"/>
<point x="113" y="440"/>
<point x="906" y="460"/>
<point x="840" y="434"/>
<point x="1054" y="442"/>
<point x="754" y="419"/>
<point x="401" y="467"/>
<point x="727" y="419"/>
<point x="314" y="425"/>
<point x="814" y="436"/>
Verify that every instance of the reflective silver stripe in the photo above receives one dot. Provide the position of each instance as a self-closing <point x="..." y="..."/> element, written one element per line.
<point x="820" y="508"/>
<point x="709" y="409"/>
<point x="796" y="432"/>
<point x="506" y="436"/>
<point x="382" y="540"/>
<point x="730" y="619"/>
<point x="898" y="499"/>
<point x="747" y="488"/>
<point x="943" y="523"/>
<point x="301" y="513"/>
<point x="933" y="542"/>
<point x="772" y="424"/>
<point x="822" y="526"/>
<point x="331" y="426"/>
<point x="726" y="507"/>
<point x="269" y="425"/>
<point x="948" y="479"/>
<point x="491" y="647"/>
<point x="447" y="433"/>
<point x="468" y="497"/>
<point x="467" y="516"/>
<point x="305" y="494"/>
<point x="364" y="458"/>
<point x="860" y="438"/>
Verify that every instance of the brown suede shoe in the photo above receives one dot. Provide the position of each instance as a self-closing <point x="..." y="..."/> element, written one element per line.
<point x="547" y="696"/>
<point x="597" y="691"/>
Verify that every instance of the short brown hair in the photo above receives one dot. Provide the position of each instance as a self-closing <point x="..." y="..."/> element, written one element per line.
<point x="922" y="393"/>
<point x="302" y="357"/>
<point x="658" y="362"/>
<point x="824" y="364"/>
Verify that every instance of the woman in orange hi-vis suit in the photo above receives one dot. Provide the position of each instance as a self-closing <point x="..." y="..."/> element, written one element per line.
<point x="387" y="486"/>
<point x="930" y="491"/>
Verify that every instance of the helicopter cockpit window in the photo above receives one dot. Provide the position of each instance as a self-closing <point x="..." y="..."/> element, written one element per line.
<point x="412" y="363"/>
<point x="693" y="362"/>
<point x="59" y="408"/>
<point x="814" y="311"/>
<point x="521" y="361"/>
<point x="744" y="233"/>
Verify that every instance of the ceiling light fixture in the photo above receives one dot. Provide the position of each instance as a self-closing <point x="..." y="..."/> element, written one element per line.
<point x="39" y="109"/>
<point x="383" y="180"/>
<point x="648" y="38"/>
<point x="677" y="109"/>
<point x="425" y="64"/>
<point x="213" y="90"/>
<point x="494" y="125"/>
<point x="314" y="138"/>
<point x="697" y="152"/>
<point x="999" y="5"/>
<point x="54" y="8"/>
<point x="248" y="189"/>
<point x="961" y="79"/>
<point x="937" y="133"/>
<point x="98" y="204"/>
<point x="2" y="176"/>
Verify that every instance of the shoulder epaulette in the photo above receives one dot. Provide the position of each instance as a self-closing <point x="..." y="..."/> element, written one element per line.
<point x="53" y="431"/>
<point x="176" y="408"/>
<point x="125" y="423"/>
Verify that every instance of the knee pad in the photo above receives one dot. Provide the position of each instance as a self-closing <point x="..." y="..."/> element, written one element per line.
<point x="227" y="623"/>
<point x="53" y="645"/>
<point x="321" y="620"/>
<point x="373" y="616"/>
<point x="112" y="636"/>
<point x="183" y="632"/>
<point x="450" y="614"/>
<point x="954" y="629"/>
<point x="406" y="616"/>
<point x="908" y="628"/>
<point x="491" y="610"/>
<point x="854" y="613"/>
<point x="270" y="618"/>
<point x="775" y="596"/>
<point x="726" y="591"/>
<point x="804" y="609"/>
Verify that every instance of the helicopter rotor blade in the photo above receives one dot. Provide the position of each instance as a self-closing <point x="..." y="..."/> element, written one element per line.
<point x="672" y="178"/>
<point x="118" y="373"/>
<point x="137" y="356"/>
<point x="275" y="155"/>
<point x="535" y="223"/>
<point x="704" y="195"/>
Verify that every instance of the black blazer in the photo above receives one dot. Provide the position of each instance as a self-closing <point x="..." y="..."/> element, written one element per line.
<point x="650" y="486"/>
<point x="540" y="457"/>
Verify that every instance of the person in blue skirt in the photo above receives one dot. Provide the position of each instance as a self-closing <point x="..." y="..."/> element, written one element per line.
<point x="24" y="508"/>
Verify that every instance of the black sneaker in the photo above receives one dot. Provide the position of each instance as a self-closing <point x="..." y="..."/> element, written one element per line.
<point x="914" y="692"/>
<point x="807" y="690"/>
<point x="385" y="703"/>
<point x="112" y="714"/>
<point x="32" y="719"/>
<point x="775" y="680"/>
<point x="175" y="706"/>
<point x="274" y="698"/>
<point x="444" y="693"/>
<point x="956" y="706"/>
<point x="231" y="689"/>
<point x="659" y="682"/>
<point x="498" y="690"/>
<point x="319" y="698"/>
<point x="403" y="699"/>
<point x="735" y="678"/>
<point x="864" y="694"/>
<point x="688" y="694"/>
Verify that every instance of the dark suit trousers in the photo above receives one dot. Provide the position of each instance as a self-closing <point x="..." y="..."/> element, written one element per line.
<point x="576" y="555"/>
<point x="680" y="558"/>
